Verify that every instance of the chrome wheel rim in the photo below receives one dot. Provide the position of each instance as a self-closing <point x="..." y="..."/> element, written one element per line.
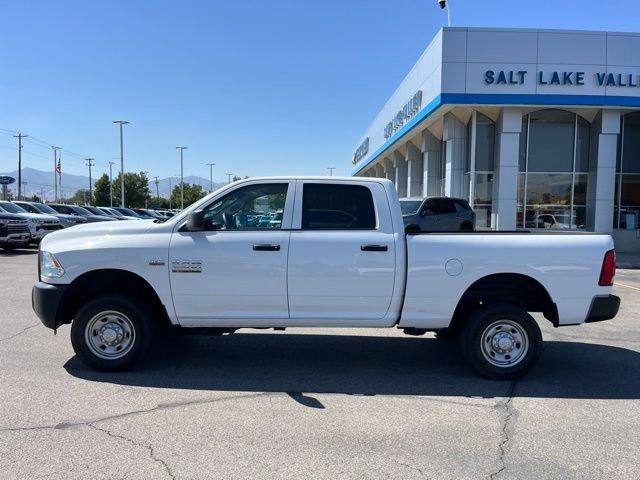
<point x="110" y="335"/>
<point x="504" y="343"/>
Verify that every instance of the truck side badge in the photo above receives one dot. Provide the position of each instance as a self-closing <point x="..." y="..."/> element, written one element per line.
<point x="186" y="266"/>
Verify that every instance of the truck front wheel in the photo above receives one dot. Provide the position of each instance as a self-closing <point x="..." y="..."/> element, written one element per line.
<point x="501" y="342"/>
<point x="111" y="333"/>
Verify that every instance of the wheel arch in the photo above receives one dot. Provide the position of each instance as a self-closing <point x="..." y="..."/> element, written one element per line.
<point x="109" y="281"/>
<point x="516" y="289"/>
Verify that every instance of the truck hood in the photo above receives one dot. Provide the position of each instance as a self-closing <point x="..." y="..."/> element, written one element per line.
<point x="92" y="234"/>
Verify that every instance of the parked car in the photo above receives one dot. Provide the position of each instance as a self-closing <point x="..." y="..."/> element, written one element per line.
<point x="37" y="207"/>
<point x="14" y="231"/>
<point x="143" y="213"/>
<point x="127" y="212"/>
<point x="117" y="284"/>
<point x="39" y="224"/>
<point x="439" y="214"/>
<point x="82" y="212"/>
<point x="116" y="213"/>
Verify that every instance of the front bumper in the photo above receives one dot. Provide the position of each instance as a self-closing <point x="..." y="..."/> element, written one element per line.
<point x="15" y="239"/>
<point x="45" y="300"/>
<point x="603" y="308"/>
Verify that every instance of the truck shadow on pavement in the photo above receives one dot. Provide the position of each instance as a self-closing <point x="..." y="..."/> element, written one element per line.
<point x="370" y="365"/>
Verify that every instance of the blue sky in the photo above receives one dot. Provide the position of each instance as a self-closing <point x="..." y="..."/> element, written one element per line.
<point x="259" y="88"/>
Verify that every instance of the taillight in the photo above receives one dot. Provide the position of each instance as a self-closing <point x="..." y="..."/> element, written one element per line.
<point x="608" y="269"/>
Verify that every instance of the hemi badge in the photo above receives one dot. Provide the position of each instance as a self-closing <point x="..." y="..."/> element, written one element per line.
<point x="156" y="263"/>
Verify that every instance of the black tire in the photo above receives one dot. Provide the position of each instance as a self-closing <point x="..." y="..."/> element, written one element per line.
<point x="476" y="348"/>
<point x="448" y="334"/>
<point x="140" y="323"/>
<point x="466" y="227"/>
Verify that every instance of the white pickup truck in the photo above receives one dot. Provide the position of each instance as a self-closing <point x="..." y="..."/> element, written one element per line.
<point x="317" y="252"/>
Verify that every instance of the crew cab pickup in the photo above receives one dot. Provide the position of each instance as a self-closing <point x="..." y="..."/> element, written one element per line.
<point x="317" y="252"/>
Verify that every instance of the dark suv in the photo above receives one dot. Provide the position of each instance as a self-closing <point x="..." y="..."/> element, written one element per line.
<point x="14" y="231"/>
<point x="439" y="214"/>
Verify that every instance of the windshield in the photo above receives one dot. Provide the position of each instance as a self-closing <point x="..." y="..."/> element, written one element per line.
<point x="127" y="211"/>
<point x="83" y="211"/>
<point x="45" y="208"/>
<point x="114" y="212"/>
<point x="12" y="207"/>
<point x="409" y="206"/>
<point x="28" y="207"/>
<point x="95" y="210"/>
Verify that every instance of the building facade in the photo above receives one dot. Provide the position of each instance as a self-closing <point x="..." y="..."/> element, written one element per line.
<point x="536" y="128"/>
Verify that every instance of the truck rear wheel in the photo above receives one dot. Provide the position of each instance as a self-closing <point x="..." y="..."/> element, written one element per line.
<point x="111" y="333"/>
<point x="501" y="341"/>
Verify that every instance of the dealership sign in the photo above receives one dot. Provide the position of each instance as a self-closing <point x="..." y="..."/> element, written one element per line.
<point x="362" y="150"/>
<point x="563" y="78"/>
<point x="6" y="180"/>
<point x="407" y="112"/>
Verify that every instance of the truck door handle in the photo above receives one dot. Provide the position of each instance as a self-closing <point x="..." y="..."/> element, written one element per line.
<point x="374" y="248"/>
<point x="266" y="247"/>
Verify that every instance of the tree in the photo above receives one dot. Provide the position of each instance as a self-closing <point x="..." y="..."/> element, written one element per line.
<point x="81" y="197"/>
<point x="155" y="202"/>
<point x="192" y="193"/>
<point x="35" y="198"/>
<point x="136" y="190"/>
<point x="101" y="190"/>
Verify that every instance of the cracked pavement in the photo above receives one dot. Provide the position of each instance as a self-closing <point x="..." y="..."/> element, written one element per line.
<point x="323" y="404"/>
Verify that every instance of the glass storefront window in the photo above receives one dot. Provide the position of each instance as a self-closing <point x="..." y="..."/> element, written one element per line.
<point x="483" y="192"/>
<point x="551" y="141"/>
<point x="627" y="191"/>
<point x="631" y="143"/>
<point x="485" y="137"/>
<point x="554" y="159"/>
<point x="548" y="189"/>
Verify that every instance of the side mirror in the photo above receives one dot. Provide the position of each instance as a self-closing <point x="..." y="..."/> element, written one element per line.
<point x="195" y="221"/>
<point x="426" y="212"/>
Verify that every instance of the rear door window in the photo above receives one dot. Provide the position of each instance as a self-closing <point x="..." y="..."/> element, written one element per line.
<point x="337" y="207"/>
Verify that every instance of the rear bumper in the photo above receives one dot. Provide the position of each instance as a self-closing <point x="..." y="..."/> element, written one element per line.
<point x="45" y="300"/>
<point x="603" y="308"/>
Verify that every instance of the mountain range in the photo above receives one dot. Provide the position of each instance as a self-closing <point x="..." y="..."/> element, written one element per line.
<point x="37" y="182"/>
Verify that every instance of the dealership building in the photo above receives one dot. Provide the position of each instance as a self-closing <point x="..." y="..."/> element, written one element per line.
<point x="535" y="128"/>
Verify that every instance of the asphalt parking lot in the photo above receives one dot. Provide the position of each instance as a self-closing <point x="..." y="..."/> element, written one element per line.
<point x="322" y="404"/>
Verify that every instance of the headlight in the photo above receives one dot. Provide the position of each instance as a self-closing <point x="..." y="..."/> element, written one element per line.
<point x="50" y="267"/>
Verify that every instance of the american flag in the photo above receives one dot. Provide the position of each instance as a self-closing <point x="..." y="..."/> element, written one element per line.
<point x="59" y="168"/>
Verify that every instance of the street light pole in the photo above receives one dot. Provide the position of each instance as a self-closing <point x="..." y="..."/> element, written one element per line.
<point x="90" y="163"/>
<point x="157" y="182"/>
<point x="182" y="149"/>
<point x="331" y="169"/>
<point x="20" y="136"/>
<point x="121" y="123"/>
<point x="211" y="176"/>
<point x="111" y="164"/>
<point x="228" y="177"/>
<point x="55" y="171"/>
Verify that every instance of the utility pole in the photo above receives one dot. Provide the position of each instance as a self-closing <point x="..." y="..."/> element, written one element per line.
<point x="228" y="177"/>
<point x="111" y="164"/>
<point x="90" y="163"/>
<point x="211" y="176"/>
<point x="121" y="123"/>
<point x="20" y="136"/>
<point x="331" y="169"/>
<point x="55" y="171"/>
<point x="182" y="149"/>
<point x="157" y="189"/>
